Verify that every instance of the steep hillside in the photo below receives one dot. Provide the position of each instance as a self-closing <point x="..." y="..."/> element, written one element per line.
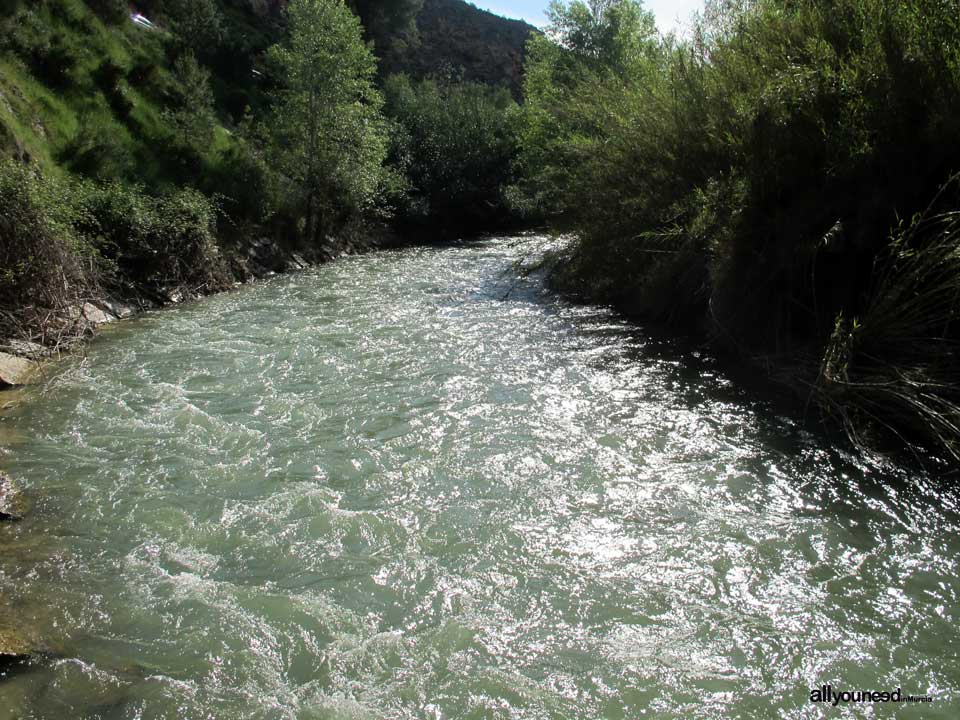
<point x="457" y="39"/>
<point x="421" y="38"/>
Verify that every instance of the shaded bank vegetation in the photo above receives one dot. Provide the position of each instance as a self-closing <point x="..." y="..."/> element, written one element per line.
<point x="782" y="178"/>
<point x="456" y="145"/>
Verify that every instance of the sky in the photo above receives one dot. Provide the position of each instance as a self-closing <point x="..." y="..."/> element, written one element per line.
<point x="670" y="14"/>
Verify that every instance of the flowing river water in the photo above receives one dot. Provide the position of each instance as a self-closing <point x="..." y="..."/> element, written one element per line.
<point x="416" y="485"/>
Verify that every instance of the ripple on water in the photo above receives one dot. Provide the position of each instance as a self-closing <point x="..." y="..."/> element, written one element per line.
<point x="414" y="485"/>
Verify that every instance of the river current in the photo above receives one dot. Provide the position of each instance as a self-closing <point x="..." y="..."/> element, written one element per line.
<point x="414" y="484"/>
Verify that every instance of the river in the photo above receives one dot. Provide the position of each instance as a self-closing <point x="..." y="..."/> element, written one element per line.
<point x="414" y="484"/>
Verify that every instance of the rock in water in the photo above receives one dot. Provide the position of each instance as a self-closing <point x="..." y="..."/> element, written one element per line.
<point x="13" y="503"/>
<point x="16" y="649"/>
<point x="117" y="309"/>
<point x="15" y="370"/>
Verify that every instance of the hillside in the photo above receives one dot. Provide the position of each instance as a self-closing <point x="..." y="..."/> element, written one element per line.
<point x="456" y="38"/>
<point x="172" y="147"/>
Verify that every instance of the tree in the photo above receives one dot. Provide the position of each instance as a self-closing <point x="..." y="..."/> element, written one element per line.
<point x="328" y="135"/>
<point x="591" y="50"/>
<point x="193" y="118"/>
<point x="456" y="143"/>
<point x="611" y="33"/>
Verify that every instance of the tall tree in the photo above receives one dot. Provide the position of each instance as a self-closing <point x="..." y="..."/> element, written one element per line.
<point x="329" y="137"/>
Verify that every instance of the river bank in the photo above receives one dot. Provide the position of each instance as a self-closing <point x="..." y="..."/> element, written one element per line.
<point x="253" y="259"/>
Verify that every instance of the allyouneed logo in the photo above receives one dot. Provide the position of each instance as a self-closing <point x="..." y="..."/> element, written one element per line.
<point x="826" y="694"/>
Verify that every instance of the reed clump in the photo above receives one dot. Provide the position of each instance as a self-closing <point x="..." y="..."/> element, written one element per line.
<point x="893" y="374"/>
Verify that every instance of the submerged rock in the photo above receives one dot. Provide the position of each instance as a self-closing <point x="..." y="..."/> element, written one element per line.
<point x="16" y="370"/>
<point x="13" y="644"/>
<point x="19" y="644"/>
<point x="13" y="503"/>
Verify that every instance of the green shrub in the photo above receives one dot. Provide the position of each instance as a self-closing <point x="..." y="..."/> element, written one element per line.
<point x="159" y="242"/>
<point x="45" y="265"/>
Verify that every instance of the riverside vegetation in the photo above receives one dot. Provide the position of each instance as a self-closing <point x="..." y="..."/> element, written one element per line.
<point x="173" y="151"/>
<point x="780" y="178"/>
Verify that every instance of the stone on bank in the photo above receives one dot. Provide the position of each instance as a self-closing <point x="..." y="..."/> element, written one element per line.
<point x="16" y="370"/>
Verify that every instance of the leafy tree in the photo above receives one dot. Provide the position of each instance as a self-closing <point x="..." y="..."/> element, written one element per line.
<point x="328" y="136"/>
<point x="192" y="116"/>
<point x="579" y="78"/>
<point x="611" y="33"/>
<point x="457" y="144"/>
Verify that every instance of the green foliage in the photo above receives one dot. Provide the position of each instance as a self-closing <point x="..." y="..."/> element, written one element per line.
<point x="247" y="186"/>
<point x="197" y="23"/>
<point x="111" y="11"/>
<point x="744" y="179"/>
<point x="456" y="143"/>
<point x="609" y="34"/>
<point x="191" y="114"/>
<point x="327" y="135"/>
<point x="101" y="148"/>
<point x="43" y="261"/>
<point x="158" y="241"/>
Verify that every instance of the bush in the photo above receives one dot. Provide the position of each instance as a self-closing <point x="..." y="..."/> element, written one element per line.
<point x="159" y="242"/>
<point x="45" y="265"/>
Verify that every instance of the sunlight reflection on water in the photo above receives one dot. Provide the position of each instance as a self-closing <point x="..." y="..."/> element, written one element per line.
<point x="415" y="485"/>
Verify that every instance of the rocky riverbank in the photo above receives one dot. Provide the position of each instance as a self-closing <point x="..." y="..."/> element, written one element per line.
<point x="22" y="357"/>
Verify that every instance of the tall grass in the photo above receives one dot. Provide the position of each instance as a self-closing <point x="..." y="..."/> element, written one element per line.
<point x="894" y="373"/>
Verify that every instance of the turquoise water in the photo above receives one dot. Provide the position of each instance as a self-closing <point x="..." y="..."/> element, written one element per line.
<point x="415" y="485"/>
